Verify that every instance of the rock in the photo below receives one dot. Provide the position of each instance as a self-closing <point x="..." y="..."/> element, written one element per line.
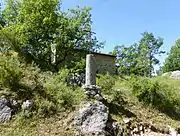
<point x="93" y="91"/>
<point x="172" y="74"/>
<point x="77" y="79"/>
<point x="172" y="131"/>
<point x="126" y="120"/>
<point x="99" y="97"/>
<point x="92" y="119"/>
<point x="27" y="105"/>
<point x="112" y="127"/>
<point x="6" y="110"/>
<point x="175" y="74"/>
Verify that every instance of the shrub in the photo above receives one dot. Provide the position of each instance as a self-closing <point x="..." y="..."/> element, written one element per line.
<point x="48" y="90"/>
<point x="152" y="92"/>
<point x="10" y="69"/>
<point x="64" y="95"/>
<point x="106" y="82"/>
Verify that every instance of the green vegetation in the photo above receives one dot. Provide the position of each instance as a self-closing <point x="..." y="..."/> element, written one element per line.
<point x="172" y="61"/>
<point x="160" y="95"/>
<point x="151" y="100"/>
<point x="106" y="82"/>
<point x="144" y="99"/>
<point x="139" y="59"/>
<point x="23" y="81"/>
<point x="37" y="57"/>
<point x="40" y="27"/>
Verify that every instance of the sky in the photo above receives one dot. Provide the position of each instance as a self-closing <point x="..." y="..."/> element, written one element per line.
<point x="122" y="21"/>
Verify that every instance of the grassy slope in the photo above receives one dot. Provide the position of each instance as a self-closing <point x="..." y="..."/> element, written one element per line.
<point x="130" y="106"/>
<point x="146" y="113"/>
<point x="56" y="125"/>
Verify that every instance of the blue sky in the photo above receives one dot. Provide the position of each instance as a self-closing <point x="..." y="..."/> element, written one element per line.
<point x="122" y="21"/>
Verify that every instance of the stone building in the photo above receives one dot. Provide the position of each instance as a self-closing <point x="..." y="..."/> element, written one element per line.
<point x="105" y="63"/>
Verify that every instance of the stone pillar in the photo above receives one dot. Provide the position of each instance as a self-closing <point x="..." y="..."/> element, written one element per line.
<point x="90" y="88"/>
<point x="90" y="70"/>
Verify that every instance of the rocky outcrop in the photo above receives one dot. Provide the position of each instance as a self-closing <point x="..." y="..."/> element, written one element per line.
<point x="130" y="127"/>
<point x="92" y="119"/>
<point x="77" y="79"/>
<point x="175" y="75"/>
<point x="172" y="74"/>
<point x="93" y="91"/>
<point x="7" y="109"/>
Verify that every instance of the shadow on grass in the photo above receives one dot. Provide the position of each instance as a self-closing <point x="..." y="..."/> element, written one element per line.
<point x="119" y="109"/>
<point x="172" y="112"/>
<point x="165" y="107"/>
<point x="163" y="104"/>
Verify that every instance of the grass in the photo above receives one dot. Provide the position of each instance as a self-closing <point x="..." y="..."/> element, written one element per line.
<point x="171" y="82"/>
<point x="56" y="125"/>
<point x="122" y="104"/>
<point x="144" y="113"/>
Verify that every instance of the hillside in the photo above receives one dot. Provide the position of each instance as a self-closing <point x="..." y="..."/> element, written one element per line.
<point x="54" y="79"/>
<point x="123" y="105"/>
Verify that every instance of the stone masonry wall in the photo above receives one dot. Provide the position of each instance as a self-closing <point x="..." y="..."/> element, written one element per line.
<point x="105" y="64"/>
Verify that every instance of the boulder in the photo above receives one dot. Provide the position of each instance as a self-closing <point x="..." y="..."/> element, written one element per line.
<point x="175" y="74"/>
<point x="93" y="91"/>
<point x="27" y="105"/>
<point x="92" y="119"/>
<point x="77" y="79"/>
<point x="6" y="110"/>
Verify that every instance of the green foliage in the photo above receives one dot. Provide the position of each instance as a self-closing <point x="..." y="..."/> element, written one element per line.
<point x="10" y="71"/>
<point x="139" y="59"/>
<point x="8" y="41"/>
<point x="11" y="11"/>
<point x="41" y="28"/>
<point x="2" y="22"/>
<point x="48" y="91"/>
<point x="157" y="94"/>
<point x="79" y="66"/>
<point x="149" y="47"/>
<point x="106" y="82"/>
<point x="65" y="96"/>
<point x="126" y="59"/>
<point x="172" y="61"/>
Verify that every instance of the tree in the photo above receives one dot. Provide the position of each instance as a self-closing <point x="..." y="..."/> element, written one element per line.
<point x="40" y="25"/>
<point x="10" y="13"/>
<point x="172" y="61"/>
<point x="139" y="59"/>
<point x="126" y="59"/>
<point x="2" y="23"/>
<point x="7" y="41"/>
<point x="149" y="47"/>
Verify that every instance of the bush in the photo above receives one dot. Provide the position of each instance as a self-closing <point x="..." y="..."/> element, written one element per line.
<point x="10" y="70"/>
<point x="106" y="82"/>
<point x="152" y="92"/>
<point x="49" y="91"/>
<point x="64" y="95"/>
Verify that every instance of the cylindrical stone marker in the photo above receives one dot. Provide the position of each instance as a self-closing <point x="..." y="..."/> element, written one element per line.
<point x="90" y="70"/>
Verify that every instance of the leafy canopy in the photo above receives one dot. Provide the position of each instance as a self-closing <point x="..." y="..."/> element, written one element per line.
<point x="139" y="59"/>
<point x="172" y="61"/>
<point x="45" y="33"/>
